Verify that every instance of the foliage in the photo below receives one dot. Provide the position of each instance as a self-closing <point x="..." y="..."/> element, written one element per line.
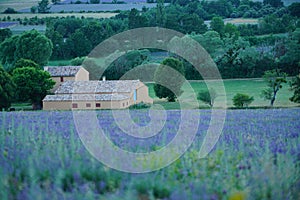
<point x="30" y="45"/>
<point x="7" y="88"/>
<point x="295" y="87"/>
<point x="34" y="46"/>
<point x="32" y="84"/>
<point x="77" y="61"/>
<point x="141" y="105"/>
<point x="94" y="1"/>
<point x="26" y="63"/>
<point x="168" y="83"/>
<point x="207" y="96"/>
<point x="7" y="52"/>
<point x="10" y="11"/>
<point x="294" y="9"/>
<point x="217" y="24"/>
<point x="55" y="1"/>
<point x="33" y="9"/>
<point x="242" y="100"/>
<point x="274" y="78"/>
<point x="274" y="3"/>
<point x="5" y="33"/>
<point x="43" y="6"/>
<point x="118" y="67"/>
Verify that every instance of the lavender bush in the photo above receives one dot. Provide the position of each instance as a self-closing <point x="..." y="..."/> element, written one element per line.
<point x="257" y="157"/>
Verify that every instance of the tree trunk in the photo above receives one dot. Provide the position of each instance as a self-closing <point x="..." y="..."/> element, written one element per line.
<point x="36" y="106"/>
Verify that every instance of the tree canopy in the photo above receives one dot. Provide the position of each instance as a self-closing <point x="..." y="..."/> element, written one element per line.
<point x="7" y="88"/>
<point x="32" y="84"/>
<point x="168" y="83"/>
<point x="274" y="78"/>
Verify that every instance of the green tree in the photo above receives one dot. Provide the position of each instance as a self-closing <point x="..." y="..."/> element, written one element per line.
<point x="160" y="13"/>
<point x="26" y="63"/>
<point x="55" y="1"/>
<point x="32" y="84"/>
<point x="7" y="52"/>
<point x="295" y="87"/>
<point x="242" y="100"/>
<point x="43" y="6"/>
<point x="34" y="46"/>
<point x="7" y="88"/>
<point x="294" y="9"/>
<point x="207" y="96"/>
<point x="217" y="24"/>
<point x="94" y="1"/>
<point x="273" y="3"/>
<point x="165" y="77"/>
<point x="274" y="78"/>
<point x="5" y="33"/>
<point x="135" y="20"/>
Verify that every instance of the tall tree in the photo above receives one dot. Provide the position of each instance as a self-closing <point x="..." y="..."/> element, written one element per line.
<point x="208" y="96"/>
<point x="7" y="52"/>
<point x="295" y="87"/>
<point x="273" y="3"/>
<point x="55" y="1"/>
<point x="217" y="24"/>
<point x="160" y="13"/>
<point x="274" y="78"/>
<point x="7" y="88"/>
<point x="43" y="6"/>
<point x="32" y="84"/>
<point x="5" y="33"/>
<point x="34" y="46"/>
<point x="168" y="82"/>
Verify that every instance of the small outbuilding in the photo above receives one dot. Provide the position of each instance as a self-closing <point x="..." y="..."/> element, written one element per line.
<point x="60" y="74"/>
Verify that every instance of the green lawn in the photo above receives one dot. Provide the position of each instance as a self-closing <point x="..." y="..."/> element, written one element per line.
<point x="252" y="87"/>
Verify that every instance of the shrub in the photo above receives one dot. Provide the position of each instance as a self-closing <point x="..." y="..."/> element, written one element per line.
<point x="94" y="1"/>
<point x="33" y="9"/>
<point x="242" y="100"/>
<point x="141" y="105"/>
<point x="77" y="61"/>
<point x="160" y="191"/>
<point x="10" y="11"/>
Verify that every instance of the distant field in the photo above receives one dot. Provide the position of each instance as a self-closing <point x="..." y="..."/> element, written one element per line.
<point x="251" y="87"/>
<point x="17" y="5"/>
<point x="79" y="15"/>
<point x="20" y="28"/>
<point x="96" y="7"/>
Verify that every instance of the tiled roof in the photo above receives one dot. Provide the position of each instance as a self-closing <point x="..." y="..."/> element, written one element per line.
<point x="86" y="97"/>
<point x="62" y="70"/>
<point x="91" y="87"/>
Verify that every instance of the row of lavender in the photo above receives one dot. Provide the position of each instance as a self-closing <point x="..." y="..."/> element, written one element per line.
<point x="257" y="157"/>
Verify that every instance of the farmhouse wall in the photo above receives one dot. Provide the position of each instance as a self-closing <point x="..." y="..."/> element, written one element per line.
<point x="82" y="75"/>
<point x="82" y="105"/>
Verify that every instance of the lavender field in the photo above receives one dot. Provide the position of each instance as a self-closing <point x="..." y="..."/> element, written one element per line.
<point x="256" y="157"/>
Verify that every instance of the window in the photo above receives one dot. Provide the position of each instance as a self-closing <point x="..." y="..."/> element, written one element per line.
<point x="74" y="105"/>
<point x="134" y="96"/>
<point x="88" y="105"/>
<point x="123" y="104"/>
<point x="127" y="103"/>
<point x="98" y="105"/>
<point x="61" y="79"/>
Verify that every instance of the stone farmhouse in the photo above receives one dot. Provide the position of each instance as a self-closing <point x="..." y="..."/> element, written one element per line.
<point x="85" y="94"/>
<point x="61" y="74"/>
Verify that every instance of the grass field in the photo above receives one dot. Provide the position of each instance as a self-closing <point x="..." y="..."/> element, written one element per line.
<point x="252" y="87"/>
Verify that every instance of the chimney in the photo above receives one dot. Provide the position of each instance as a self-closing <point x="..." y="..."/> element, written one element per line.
<point x="103" y="78"/>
